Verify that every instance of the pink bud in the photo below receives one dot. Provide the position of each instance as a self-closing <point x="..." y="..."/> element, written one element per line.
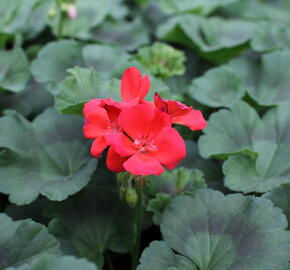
<point x="72" y="11"/>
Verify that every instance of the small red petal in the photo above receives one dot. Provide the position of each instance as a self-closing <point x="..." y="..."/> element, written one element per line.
<point x="130" y="83"/>
<point x="144" y="87"/>
<point x="98" y="146"/>
<point x="193" y="119"/>
<point x="115" y="161"/>
<point x="142" y="164"/>
<point x="176" y="108"/>
<point x="133" y="87"/>
<point x="98" y="116"/>
<point x="120" y="143"/>
<point x="160" y="103"/>
<point x="92" y="131"/>
<point x="89" y="106"/>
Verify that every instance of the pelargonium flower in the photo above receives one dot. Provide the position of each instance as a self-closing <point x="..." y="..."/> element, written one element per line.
<point x="100" y="115"/>
<point x="148" y="143"/>
<point x="139" y="133"/>
<point x="100" y="119"/>
<point x="180" y="113"/>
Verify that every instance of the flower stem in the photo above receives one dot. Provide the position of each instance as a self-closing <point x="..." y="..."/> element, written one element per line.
<point x="59" y="19"/>
<point x="139" y="223"/>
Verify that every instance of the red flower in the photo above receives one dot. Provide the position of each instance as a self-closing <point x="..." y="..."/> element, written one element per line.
<point x="100" y="119"/>
<point x="139" y="133"/>
<point x="180" y="113"/>
<point x="101" y="115"/>
<point x="148" y="142"/>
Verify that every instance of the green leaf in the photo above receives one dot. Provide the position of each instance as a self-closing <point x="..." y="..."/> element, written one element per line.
<point x="215" y="38"/>
<point x="85" y="84"/>
<point x="82" y="86"/>
<point x="53" y="60"/>
<point x="162" y="60"/>
<point x="266" y="81"/>
<point x="91" y="13"/>
<point x="213" y="231"/>
<point x="161" y="189"/>
<point x="229" y="132"/>
<point x="160" y="256"/>
<point x="22" y="241"/>
<point x="280" y="197"/>
<point x="128" y="35"/>
<point x="272" y="87"/>
<point x="175" y="182"/>
<point x="271" y="141"/>
<point x="104" y="58"/>
<point x="158" y="205"/>
<point x="33" y="100"/>
<point x="19" y="17"/>
<point x="204" y="7"/>
<point x="48" y="156"/>
<point x="49" y="262"/>
<point x="14" y="70"/>
<point x="218" y="87"/>
<point x="57" y="58"/>
<point x="276" y="12"/>
<point x="106" y="223"/>
<point x="268" y="37"/>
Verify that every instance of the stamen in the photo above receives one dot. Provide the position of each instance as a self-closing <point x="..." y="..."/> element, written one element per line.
<point x="145" y="145"/>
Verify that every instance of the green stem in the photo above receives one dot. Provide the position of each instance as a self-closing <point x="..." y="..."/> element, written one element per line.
<point x="139" y="223"/>
<point x="109" y="261"/>
<point x="60" y="19"/>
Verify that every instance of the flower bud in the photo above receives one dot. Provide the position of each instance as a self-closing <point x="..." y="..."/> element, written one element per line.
<point x="131" y="197"/>
<point x="72" y="11"/>
<point x="52" y="12"/>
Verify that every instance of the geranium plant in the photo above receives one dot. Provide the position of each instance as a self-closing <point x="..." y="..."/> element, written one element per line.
<point x="144" y="135"/>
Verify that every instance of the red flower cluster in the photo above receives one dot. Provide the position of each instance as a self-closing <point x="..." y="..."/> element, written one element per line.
<point x="139" y="133"/>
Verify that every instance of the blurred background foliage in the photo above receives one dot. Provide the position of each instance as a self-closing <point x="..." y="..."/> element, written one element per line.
<point x="228" y="58"/>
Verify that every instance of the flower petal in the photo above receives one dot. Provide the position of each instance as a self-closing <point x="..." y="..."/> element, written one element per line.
<point x="91" y="105"/>
<point x="115" y="161"/>
<point x="133" y="86"/>
<point x="98" y="116"/>
<point x="113" y="109"/>
<point x="142" y="164"/>
<point x="161" y="120"/>
<point x="92" y="131"/>
<point x="98" y="146"/>
<point x="160" y="103"/>
<point x="170" y="148"/>
<point x="193" y="119"/>
<point x="144" y="87"/>
<point x="120" y="143"/>
<point x="176" y="108"/>
<point x="130" y="83"/>
<point x="136" y="121"/>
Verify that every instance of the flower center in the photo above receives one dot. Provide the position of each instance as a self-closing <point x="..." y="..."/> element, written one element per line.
<point x="145" y="145"/>
<point x="113" y="127"/>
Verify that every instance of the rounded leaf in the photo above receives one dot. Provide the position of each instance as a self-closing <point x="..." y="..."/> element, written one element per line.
<point x="217" y="232"/>
<point x="22" y="241"/>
